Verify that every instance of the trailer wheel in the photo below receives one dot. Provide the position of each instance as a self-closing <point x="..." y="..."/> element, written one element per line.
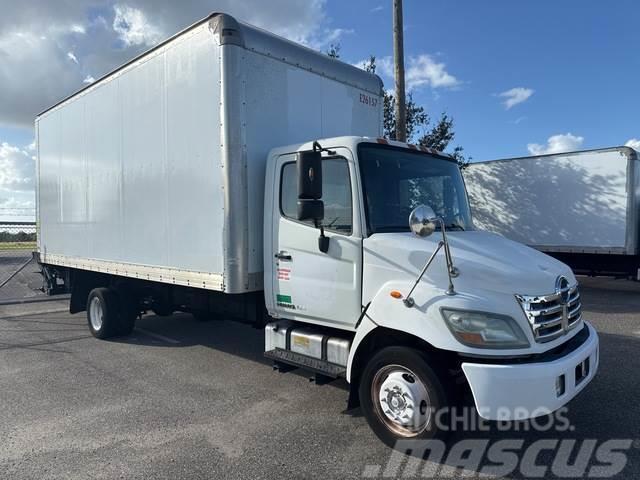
<point x="108" y="315"/>
<point x="401" y="396"/>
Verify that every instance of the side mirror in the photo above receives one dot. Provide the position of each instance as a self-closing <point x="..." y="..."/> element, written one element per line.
<point x="309" y="175"/>
<point x="310" y="207"/>
<point x="422" y="221"/>
<point x="310" y="210"/>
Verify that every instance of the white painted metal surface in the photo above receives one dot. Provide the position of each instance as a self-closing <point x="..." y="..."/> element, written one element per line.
<point x="160" y="165"/>
<point x="513" y="392"/>
<point x="492" y="269"/>
<point x="574" y="202"/>
<point x="321" y="288"/>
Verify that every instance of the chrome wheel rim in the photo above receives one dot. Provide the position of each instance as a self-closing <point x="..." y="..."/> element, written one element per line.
<point x="401" y="400"/>
<point x="96" y="314"/>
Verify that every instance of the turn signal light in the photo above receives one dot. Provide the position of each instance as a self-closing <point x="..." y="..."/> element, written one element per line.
<point x="395" y="294"/>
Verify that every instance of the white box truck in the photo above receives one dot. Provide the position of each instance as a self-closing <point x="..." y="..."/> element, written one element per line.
<point x="582" y="208"/>
<point x="230" y="172"/>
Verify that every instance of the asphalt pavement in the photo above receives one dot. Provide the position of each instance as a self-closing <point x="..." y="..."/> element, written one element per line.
<point x="183" y="399"/>
<point x="20" y="277"/>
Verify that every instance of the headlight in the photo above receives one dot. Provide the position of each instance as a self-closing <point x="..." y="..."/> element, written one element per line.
<point x="485" y="330"/>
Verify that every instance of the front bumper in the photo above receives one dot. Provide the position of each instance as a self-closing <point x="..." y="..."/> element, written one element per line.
<point x="527" y="390"/>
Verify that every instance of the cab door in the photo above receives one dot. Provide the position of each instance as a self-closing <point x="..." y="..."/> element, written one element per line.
<point x="309" y="285"/>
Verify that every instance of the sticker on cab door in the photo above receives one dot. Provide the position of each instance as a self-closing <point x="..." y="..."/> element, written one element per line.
<point x="284" y="274"/>
<point x="284" y="301"/>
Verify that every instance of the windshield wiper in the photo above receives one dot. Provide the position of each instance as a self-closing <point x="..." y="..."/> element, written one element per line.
<point x="454" y="226"/>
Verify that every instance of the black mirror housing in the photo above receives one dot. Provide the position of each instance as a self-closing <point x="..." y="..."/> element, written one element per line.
<point x="311" y="210"/>
<point x="310" y="205"/>
<point x="309" y="175"/>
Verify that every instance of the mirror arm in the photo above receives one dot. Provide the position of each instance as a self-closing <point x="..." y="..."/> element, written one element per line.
<point x="409" y="302"/>
<point x="318" y="148"/>
<point x="451" y="270"/>
<point x="323" y="240"/>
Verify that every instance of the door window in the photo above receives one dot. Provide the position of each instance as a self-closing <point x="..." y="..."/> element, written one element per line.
<point x="336" y="194"/>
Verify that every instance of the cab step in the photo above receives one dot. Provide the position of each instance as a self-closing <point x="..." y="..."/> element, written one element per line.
<point x="315" y="365"/>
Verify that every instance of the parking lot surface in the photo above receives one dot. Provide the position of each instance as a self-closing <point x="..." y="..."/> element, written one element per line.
<point x="182" y="399"/>
<point x="20" y="276"/>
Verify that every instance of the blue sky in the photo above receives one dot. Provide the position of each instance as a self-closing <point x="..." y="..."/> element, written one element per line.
<point x="518" y="77"/>
<point x="580" y="58"/>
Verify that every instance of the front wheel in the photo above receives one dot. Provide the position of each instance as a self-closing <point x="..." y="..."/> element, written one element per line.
<point x="401" y="396"/>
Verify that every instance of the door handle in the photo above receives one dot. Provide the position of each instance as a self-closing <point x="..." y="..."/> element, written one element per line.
<point x="282" y="255"/>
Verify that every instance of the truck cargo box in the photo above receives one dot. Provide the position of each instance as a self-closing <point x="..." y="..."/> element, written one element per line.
<point x="578" y="206"/>
<point x="156" y="171"/>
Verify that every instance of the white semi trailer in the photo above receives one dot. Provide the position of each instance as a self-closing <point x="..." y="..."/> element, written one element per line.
<point x="582" y="208"/>
<point x="168" y="186"/>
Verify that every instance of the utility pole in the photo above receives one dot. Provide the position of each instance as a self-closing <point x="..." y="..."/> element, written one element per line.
<point x="398" y="56"/>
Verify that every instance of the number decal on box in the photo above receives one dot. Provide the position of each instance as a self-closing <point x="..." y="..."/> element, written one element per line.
<point x="368" y="100"/>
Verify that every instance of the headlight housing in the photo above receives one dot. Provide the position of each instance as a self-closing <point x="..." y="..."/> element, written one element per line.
<point x="484" y="329"/>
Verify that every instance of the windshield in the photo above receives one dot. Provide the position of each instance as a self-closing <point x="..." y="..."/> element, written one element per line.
<point x="396" y="180"/>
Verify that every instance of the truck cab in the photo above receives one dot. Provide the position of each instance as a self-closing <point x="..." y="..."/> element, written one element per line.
<point x="374" y="271"/>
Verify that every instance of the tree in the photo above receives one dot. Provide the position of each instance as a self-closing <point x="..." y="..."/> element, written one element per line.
<point x="437" y="137"/>
<point x="416" y="117"/>
<point x="334" y="50"/>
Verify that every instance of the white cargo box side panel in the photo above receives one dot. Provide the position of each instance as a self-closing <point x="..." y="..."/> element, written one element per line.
<point x="307" y="106"/>
<point x="129" y="170"/>
<point x="566" y="202"/>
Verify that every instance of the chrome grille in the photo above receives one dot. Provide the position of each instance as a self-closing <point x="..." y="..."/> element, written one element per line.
<point x="549" y="316"/>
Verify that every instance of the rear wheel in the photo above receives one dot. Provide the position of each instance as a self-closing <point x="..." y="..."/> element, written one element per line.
<point x="109" y="314"/>
<point x="401" y="395"/>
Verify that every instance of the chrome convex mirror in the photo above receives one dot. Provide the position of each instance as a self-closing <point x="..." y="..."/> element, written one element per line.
<point x="423" y="222"/>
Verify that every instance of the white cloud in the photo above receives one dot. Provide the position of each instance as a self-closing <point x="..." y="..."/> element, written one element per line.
<point x="331" y="36"/>
<point x="37" y="35"/>
<point x="71" y="56"/>
<point x="377" y="9"/>
<point x="424" y="70"/>
<point x="17" y="168"/>
<point x="133" y="27"/>
<point x="34" y="73"/>
<point x="515" y="96"/>
<point x="556" y="144"/>
<point x="384" y="66"/>
<point x="633" y="143"/>
<point x="88" y="79"/>
<point x="421" y="71"/>
<point x="21" y="205"/>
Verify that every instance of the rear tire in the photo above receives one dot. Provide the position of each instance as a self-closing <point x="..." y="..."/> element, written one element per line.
<point x="401" y="396"/>
<point x="108" y="314"/>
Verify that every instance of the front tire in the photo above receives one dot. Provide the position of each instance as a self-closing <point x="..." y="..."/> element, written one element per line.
<point x="108" y="315"/>
<point x="401" y="396"/>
